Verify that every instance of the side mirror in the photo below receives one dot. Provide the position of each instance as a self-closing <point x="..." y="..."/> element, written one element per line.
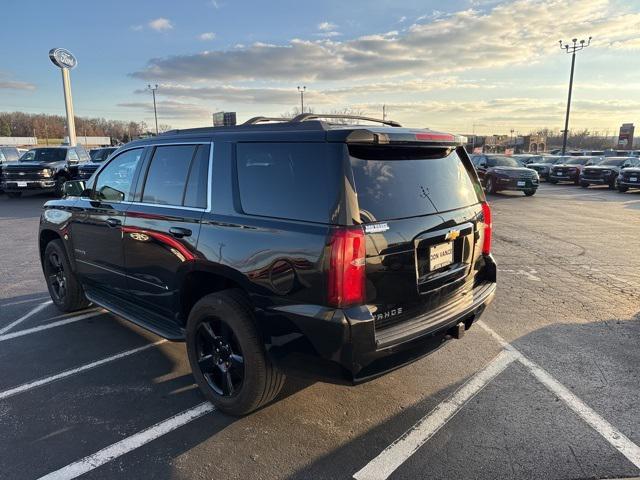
<point x="74" y="188"/>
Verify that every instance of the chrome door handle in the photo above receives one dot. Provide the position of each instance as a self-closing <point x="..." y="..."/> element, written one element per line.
<point x="180" y="232"/>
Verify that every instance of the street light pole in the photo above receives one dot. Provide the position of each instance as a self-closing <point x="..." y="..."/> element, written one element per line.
<point x="155" y="111"/>
<point x="571" y="48"/>
<point x="302" y="90"/>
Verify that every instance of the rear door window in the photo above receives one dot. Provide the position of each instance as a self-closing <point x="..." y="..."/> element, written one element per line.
<point x="400" y="182"/>
<point x="297" y="181"/>
<point x="167" y="174"/>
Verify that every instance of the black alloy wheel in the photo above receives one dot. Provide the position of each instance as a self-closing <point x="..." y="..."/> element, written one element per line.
<point x="490" y="187"/>
<point x="56" y="277"/>
<point x="220" y="358"/>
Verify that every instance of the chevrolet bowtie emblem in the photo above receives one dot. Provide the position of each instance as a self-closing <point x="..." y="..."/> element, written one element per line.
<point x="452" y="235"/>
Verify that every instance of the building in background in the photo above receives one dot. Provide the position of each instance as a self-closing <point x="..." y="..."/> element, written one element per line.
<point x="625" y="137"/>
<point x="224" y="119"/>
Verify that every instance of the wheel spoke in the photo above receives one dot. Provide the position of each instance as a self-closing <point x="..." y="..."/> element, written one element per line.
<point x="209" y="333"/>
<point x="237" y="361"/>
<point x="206" y="364"/>
<point x="225" y="332"/>
<point x="55" y="261"/>
<point x="228" y="382"/>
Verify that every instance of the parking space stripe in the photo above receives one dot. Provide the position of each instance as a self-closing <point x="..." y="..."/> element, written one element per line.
<point x="611" y="434"/>
<point x="67" y="373"/>
<point x="26" y="316"/>
<point x="20" y="302"/>
<point x="29" y="331"/>
<point x="399" y="451"/>
<point x="128" y="444"/>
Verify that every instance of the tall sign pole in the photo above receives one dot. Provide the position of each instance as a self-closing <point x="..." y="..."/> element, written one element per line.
<point x="65" y="60"/>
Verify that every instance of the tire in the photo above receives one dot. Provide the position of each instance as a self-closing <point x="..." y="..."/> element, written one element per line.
<point x="489" y="185"/>
<point x="551" y="180"/>
<point x="64" y="287"/>
<point x="59" y="189"/>
<point x="14" y="194"/>
<point x="530" y="192"/>
<point x="622" y="188"/>
<point x="613" y="186"/>
<point x="584" y="184"/>
<point x="225" y="320"/>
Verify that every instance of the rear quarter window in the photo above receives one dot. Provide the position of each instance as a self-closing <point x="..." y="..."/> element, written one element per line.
<point x="297" y="181"/>
<point x="400" y="182"/>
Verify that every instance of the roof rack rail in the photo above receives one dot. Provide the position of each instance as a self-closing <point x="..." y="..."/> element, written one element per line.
<point x="254" y="120"/>
<point x="312" y="116"/>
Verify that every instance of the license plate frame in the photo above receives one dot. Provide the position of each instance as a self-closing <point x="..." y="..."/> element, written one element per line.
<point x="440" y="256"/>
<point x="521" y="183"/>
<point x="22" y="184"/>
<point x="633" y="179"/>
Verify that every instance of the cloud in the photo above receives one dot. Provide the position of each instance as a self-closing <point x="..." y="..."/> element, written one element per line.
<point x="207" y="36"/>
<point x="14" y="85"/>
<point x="464" y="40"/>
<point x="160" y="24"/>
<point x="168" y="109"/>
<point x="137" y="28"/>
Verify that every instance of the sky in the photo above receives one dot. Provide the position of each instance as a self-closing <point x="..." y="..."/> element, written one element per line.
<point x="467" y="66"/>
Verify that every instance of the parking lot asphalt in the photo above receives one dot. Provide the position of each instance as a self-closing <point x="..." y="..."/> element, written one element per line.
<point x="547" y="386"/>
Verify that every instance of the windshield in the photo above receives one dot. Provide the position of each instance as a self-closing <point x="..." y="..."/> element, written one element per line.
<point x="502" y="162"/>
<point x="577" y="160"/>
<point x="101" y="154"/>
<point x="614" y="162"/>
<point x="45" y="155"/>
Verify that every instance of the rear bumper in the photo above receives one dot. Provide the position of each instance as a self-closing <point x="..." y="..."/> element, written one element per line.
<point x="343" y="346"/>
<point x="12" y="186"/>
<point x="598" y="181"/>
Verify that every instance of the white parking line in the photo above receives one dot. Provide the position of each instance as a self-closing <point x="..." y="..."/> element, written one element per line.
<point x="399" y="451"/>
<point x="20" y="302"/>
<point x="29" y="331"/>
<point x="26" y="316"/>
<point x="611" y="434"/>
<point x="128" y="444"/>
<point x="67" y="373"/>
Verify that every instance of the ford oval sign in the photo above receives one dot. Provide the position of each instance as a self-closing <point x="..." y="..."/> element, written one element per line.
<point x="63" y="58"/>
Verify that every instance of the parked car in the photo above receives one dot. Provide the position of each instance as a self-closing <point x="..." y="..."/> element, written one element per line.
<point x="43" y="169"/>
<point x="7" y="155"/>
<point x="527" y="158"/>
<point x="335" y="251"/>
<point x="570" y="169"/>
<point x="98" y="155"/>
<point x="501" y="172"/>
<point x="606" y="173"/>
<point x="629" y="176"/>
<point x="543" y="165"/>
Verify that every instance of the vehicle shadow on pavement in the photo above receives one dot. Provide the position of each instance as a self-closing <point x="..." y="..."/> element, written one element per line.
<point x="515" y="428"/>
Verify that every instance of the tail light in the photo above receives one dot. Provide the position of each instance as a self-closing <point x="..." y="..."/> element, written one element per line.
<point x="346" y="267"/>
<point x="486" y="213"/>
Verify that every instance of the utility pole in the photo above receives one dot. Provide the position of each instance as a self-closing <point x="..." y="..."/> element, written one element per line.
<point x="571" y="48"/>
<point x="384" y="112"/>
<point x="302" y="90"/>
<point x="155" y="111"/>
<point x="513" y="145"/>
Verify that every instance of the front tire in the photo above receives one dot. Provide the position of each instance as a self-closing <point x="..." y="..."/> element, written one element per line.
<point x="490" y="186"/>
<point x="584" y="184"/>
<point x="553" y="181"/>
<point x="63" y="286"/>
<point x="227" y="355"/>
<point x="622" y="188"/>
<point x="530" y="192"/>
<point x="59" y="190"/>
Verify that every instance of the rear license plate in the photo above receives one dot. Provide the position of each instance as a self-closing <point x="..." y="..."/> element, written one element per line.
<point x="22" y="184"/>
<point x="440" y="255"/>
<point x="521" y="184"/>
<point x="633" y="179"/>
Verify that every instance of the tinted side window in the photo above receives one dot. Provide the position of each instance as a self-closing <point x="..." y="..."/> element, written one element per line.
<point x="114" y="182"/>
<point x="297" y="181"/>
<point x="72" y="154"/>
<point x="195" y="194"/>
<point x="167" y="174"/>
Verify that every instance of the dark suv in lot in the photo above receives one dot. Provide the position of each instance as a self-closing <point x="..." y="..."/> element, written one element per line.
<point x="98" y="156"/>
<point x="303" y="247"/>
<point x="606" y="173"/>
<point x="8" y="155"/>
<point x="43" y="169"/>
<point x="570" y="169"/>
<point x="501" y="172"/>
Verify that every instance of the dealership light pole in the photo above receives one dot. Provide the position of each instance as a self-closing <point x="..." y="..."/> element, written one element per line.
<point x="155" y="111"/>
<point x="302" y="90"/>
<point x="571" y="48"/>
<point x="65" y="60"/>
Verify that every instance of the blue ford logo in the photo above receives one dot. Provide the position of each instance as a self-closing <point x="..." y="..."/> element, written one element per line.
<point x="63" y="58"/>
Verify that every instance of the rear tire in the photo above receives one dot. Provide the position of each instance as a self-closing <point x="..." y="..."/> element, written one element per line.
<point x="14" y="194"/>
<point x="530" y="192"/>
<point x="62" y="283"/>
<point x="227" y="355"/>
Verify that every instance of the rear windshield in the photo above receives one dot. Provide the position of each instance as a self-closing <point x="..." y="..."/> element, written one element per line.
<point x="614" y="162"/>
<point x="297" y="181"/>
<point x="400" y="182"/>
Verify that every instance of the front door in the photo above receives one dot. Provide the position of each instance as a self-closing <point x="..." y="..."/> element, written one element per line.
<point x="161" y="229"/>
<point x="96" y="227"/>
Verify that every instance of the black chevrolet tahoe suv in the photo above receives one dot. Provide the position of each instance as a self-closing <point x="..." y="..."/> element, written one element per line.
<point x="304" y="247"/>
<point x="43" y="169"/>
